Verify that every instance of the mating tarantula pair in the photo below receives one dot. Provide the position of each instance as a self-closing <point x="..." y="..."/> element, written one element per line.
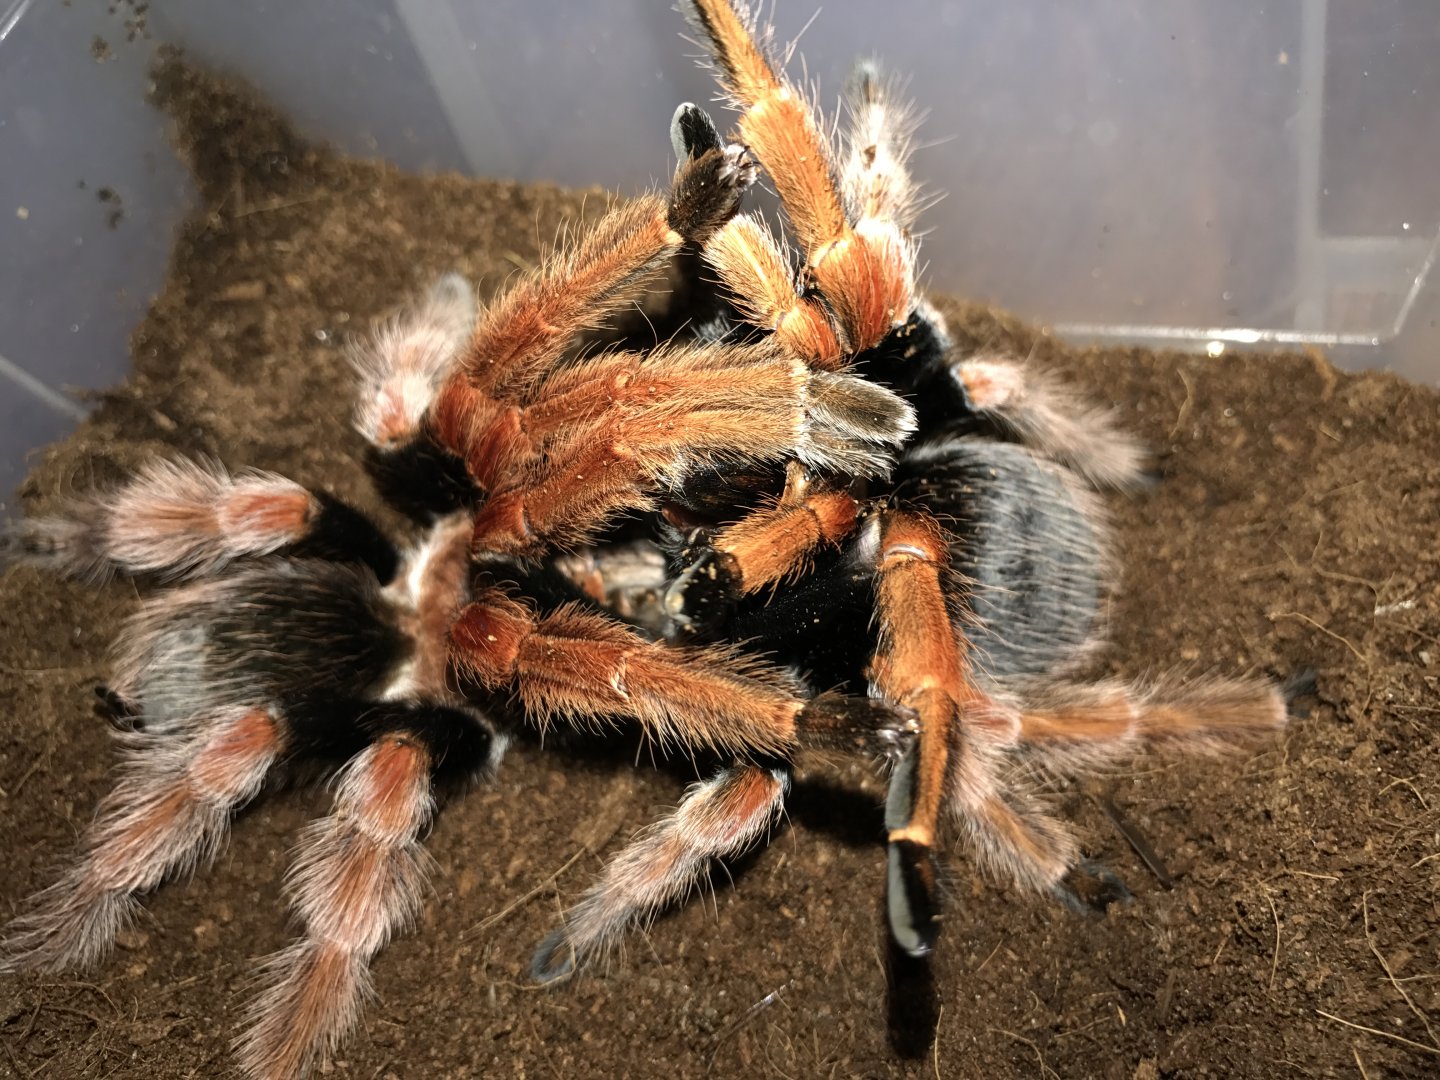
<point x="843" y="505"/>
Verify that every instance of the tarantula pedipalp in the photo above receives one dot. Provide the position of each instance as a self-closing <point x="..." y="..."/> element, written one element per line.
<point x="289" y="627"/>
<point x="965" y="588"/>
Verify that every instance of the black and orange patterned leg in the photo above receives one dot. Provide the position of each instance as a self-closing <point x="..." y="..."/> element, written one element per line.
<point x="170" y="811"/>
<point x="923" y="664"/>
<point x="864" y="267"/>
<point x="522" y="335"/>
<point x="575" y="666"/>
<point x="181" y="518"/>
<point x="358" y="879"/>
<point x="654" y="421"/>
<point x="771" y="544"/>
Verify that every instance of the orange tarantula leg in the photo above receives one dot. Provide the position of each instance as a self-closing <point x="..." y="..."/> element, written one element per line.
<point x="772" y="544"/>
<point x="722" y="816"/>
<point x="714" y="410"/>
<point x="1046" y="415"/>
<point x="864" y="268"/>
<point x="358" y="878"/>
<point x="582" y="667"/>
<point x="762" y="285"/>
<point x="522" y="335"/>
<point x="1072" y="729"/>
<point x="185" y="518"/>
<point x="922" y="664"/>
<point x="767" y="546"/>
<point x="170" y="810"/>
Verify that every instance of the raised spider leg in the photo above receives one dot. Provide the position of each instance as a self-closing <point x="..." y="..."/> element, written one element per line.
<point x="863" y="266"/>
<point x="358" y="878"/>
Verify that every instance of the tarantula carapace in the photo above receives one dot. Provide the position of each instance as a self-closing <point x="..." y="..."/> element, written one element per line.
<point x="850" y="538"/>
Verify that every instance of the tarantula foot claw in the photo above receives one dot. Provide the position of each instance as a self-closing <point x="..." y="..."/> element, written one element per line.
<point x="692" y="132"/>
<point x="1104" y="889"/>
<point x="554" y="961"/>
<point x="116" y="711"/>
<point x="1301" y="684"/>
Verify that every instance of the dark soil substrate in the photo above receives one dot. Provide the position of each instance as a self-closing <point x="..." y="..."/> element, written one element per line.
<point x="1294" y="527"/>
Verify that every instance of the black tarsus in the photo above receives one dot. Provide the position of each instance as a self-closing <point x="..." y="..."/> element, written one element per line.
<point x="343" y="534"/>
<point x="421" y="479"/>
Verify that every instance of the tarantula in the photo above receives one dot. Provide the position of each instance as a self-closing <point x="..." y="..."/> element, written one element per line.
<point x="837" y="495"/>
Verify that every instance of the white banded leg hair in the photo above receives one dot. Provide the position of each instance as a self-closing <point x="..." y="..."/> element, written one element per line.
<point x="719" y="817"/>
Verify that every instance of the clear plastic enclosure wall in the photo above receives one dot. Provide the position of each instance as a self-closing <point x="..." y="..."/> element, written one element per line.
<point x="1204" y="173"/>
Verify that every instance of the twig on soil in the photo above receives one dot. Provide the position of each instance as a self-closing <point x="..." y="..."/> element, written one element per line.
<point x="1184" y="405"/>
<point x="1137" y="841"/>
<point x="281" y="204"/>
<point x="935" y="1043"/>
<point x="1406" y="781"/>
<point x="509" y="909"/>
<point x="40" y="759"/>
<point x="1359" y="1064"/>
<point x="1385" y="967"/>
<point x="1324" y="630"/>
<point x="1376" y="1031"/>
<point x="741" y="1020"/>
<point x="20" y="1070"/>
<point x="1275" y="957"/>
<point x="1044" y="1068"/>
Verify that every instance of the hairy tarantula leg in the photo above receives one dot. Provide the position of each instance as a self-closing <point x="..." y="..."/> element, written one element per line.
<point x="922" y="664"/>
<point x="874" y="177"/>
<point x="403" y="365"/>
<point x="680" y="409"/>
<point x="170" y="810"/>
<point x="1107" y="889"/>
<point x="1071" y="729"/>
<point x="183" y="518"/>
<point x="719" y="817"/>
<point x="1043" y="413"/>
<point x="522" y="335"/>
<point x="769" y="545"/>
<point x="358" y="878"/>
<point x="757" y="273"/>
<point x="402" y="368"/>
<point x="864" y="268"/>
<point x="581" y="667"/>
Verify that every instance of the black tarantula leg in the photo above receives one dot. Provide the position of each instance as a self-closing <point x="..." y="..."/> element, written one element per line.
<point x="722" y="816"/>
<point x="358" y="878"/>
<point x="863" y="267"/>
<point x="186" y="518"/>
<point x="170" y="810"/>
